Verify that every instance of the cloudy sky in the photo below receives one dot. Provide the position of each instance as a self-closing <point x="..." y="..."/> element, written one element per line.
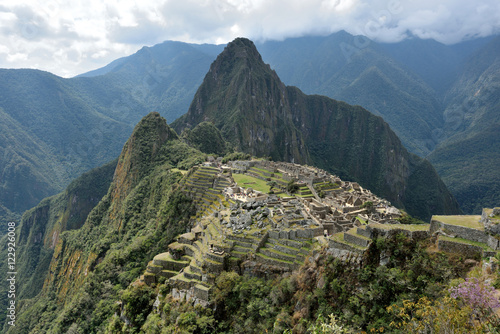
<point x="71" y="37"/>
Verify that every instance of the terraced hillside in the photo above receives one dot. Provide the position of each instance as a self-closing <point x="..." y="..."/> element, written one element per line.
<point x="248" y="218"/>
<point x="266" y="217"/>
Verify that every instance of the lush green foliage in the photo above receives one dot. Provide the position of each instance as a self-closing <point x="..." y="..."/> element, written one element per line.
<point x="54" y="129"/>
<point x="325" y="296"/>
<point x="40" y="226"/>
<point x="94" y="262"/>
<point x="206" y="138"/>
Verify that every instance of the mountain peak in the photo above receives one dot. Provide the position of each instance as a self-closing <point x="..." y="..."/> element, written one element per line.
<point x="245" y="99"/>
<point x="240" y="54"/>
<point x="141" y="151"/>
<point x="243" y="48"/>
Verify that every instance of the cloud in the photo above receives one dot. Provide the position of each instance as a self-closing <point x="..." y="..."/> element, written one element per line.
<point x="68" y="38"/>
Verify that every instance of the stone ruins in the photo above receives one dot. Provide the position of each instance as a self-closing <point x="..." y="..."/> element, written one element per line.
<point x="267" y="217"/>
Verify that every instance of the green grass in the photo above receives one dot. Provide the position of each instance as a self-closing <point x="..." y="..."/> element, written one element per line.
<point x="353" y="231"/>
<point x="254" y="183"/>
<point x="273" y="258"/>
<point x="183" y="172"/>
<point x="408" y="227"/>
<point x="465" y="221"/>
<point x="262" y="170"/>
<point x="362" y="221"/>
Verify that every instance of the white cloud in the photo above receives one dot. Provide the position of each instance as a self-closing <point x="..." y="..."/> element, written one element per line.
<point x="71" y="37"/>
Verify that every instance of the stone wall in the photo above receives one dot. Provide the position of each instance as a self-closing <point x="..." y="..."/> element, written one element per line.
<point x="342" y="246"/>
<point x="460" y="231"/>
<point x="201" y="292"/>
<point x="353" y="239"/>
<point x="469" y="251"/>
<point x="271" y="262"/>
<point x="494" y="242"/>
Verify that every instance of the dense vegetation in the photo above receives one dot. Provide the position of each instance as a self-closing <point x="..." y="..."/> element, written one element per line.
<point x="359" y="299"/>
<point x="469" y="154"/>
<point x="78" y="263"/>
<point x="53" y="129"/>
<point x="206" y="138"/>
<point x="41" y="227"/>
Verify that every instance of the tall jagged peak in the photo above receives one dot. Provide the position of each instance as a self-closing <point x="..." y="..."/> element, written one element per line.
<point x="239" y="55"/>
<point x="241" y="48"/>
<point x="246" y="100"/>
<point x="140" y="151"/>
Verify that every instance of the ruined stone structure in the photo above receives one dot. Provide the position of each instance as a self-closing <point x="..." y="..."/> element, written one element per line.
<point x="242" y="227"/>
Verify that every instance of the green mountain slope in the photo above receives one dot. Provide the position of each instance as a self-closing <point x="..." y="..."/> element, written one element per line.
<point x="256" y="112"/>
<point x="78" y="262"/>
<point x="88" y="275"/>
<point x="42" y="226"/>
<point x="336" y="66"/>
<point x="49" y="135"/>
<point x="246" y="100"/>
<point x="468" y="157"/>
<point x="53" y="129"/>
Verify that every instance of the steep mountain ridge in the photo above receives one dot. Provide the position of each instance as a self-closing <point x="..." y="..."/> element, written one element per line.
<point x="49" y="136"/>
<point x="107" y="103"/>
<point x="85" y="255"/>
<point x="246" y="100"/>
<point x="255" y="111"/>
<point x="359" y="71"/>
<point x="53" y="129"/>
<point x="41" y="227"/>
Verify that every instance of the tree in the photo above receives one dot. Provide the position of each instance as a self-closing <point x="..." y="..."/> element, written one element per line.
<point x="292" y="187"/>
<point x="368" y="206"/>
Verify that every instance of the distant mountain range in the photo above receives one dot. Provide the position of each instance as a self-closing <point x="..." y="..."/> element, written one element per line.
<point x="53" y="129"/>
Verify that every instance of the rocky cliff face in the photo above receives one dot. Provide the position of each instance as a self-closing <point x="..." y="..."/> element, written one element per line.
<point x="245" y="99"/>
<point x="41" y="227"/>
<point x="254" y="110"/>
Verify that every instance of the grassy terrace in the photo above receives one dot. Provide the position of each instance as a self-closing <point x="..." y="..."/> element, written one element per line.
<point x="495" y="218"/>
<point x="468" y="242"/>
<point x="465" y="221"/>
<point x="353" y="231"/>
<point x="408" y="227"/>
<point x="247" y="181"/>
<point x="182" y="171"/>
<point x="361" y="220"/>
<point x="273" y="258"/>
<point x="339" y="237"/>
<point x="262" y="170"/>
